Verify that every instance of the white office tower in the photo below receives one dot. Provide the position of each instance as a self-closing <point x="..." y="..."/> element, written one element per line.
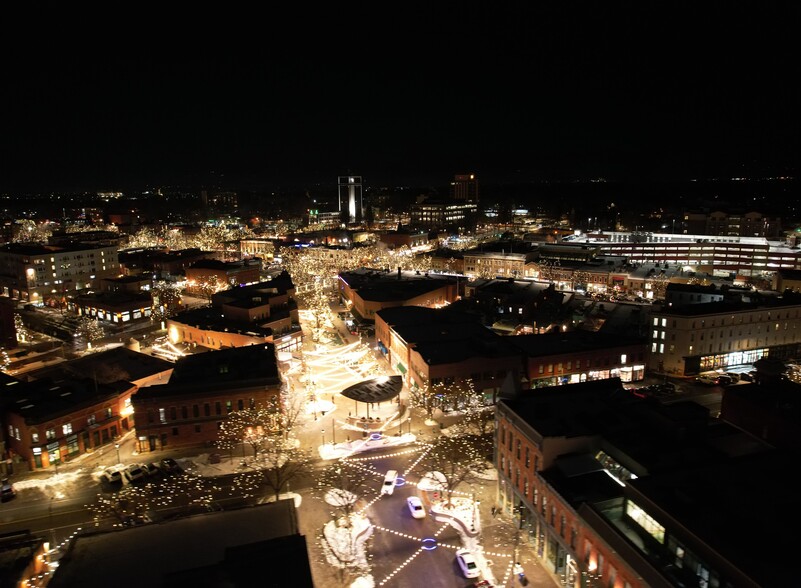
<point x="350" y="188"/>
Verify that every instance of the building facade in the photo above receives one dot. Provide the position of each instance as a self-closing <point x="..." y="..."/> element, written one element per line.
<point x="581" y="356"/>
<point x="55" y="422"/>
<point x="686" y="340"/>
<point x="605" y="501"/>
<point x="437" y="214"/>
<point x="203" y="390"/>
<point x="464" y="188"/>
<point x="739" y="224"/>
<point x="49" y="274"/>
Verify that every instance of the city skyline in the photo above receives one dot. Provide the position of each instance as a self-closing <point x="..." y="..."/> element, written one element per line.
<point x="533" y="93"/>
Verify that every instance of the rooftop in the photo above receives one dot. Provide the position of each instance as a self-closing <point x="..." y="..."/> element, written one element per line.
<point x="231" y="548"/>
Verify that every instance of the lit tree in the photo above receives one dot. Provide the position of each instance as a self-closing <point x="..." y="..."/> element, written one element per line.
<point x="5" y="360"/>
<point x="278" y="457"/>
<point x="174" y="239"/>
<point x="280" y="460"/>
<point x="346" y="558"/>
<point x="183" y="494"/>
<point x="30" y="232"/>
<point x="341" y="485"/>
<point x="425" y="398"/>
<point x="658" y="285"/>
<point x="90" y="329"/>
<point x="126" y="507"/>
<point x="550" y="270"/>
<point x="166" y="302"/>
<point x="580" y="279"/>
<point x="212" y="238"/>
<point x="293" y="405"/>
<point x="252" y="426"/>
<point x="94" y="227"/>
<point x="209" y="285"/>
<point x="316" y="303"/>
<point x="478" y="419"/>
<point x="695" y="281"/>
<point x="486" y="271"/>
<point x="21" y="330"/>
<point x="144" y="237"/>
<point x="457" y="459"/>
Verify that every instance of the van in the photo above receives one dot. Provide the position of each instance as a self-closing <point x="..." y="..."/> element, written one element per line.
<point x="389" y="482"/>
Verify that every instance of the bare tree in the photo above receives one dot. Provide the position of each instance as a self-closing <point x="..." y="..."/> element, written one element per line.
<point x="279" y="461"/>
<point x="457" y="459"/>
<point x="342" y="483"/>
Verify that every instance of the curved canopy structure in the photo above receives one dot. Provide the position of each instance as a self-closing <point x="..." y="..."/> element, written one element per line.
<point x="375" y="389"/>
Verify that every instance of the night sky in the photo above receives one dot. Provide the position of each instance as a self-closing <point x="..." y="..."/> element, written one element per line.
<point x="510" y="93"/>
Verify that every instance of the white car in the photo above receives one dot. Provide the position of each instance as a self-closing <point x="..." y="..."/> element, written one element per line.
<point x="134" y="473"/>
<point x="467" y="563"/>
<point x="416" y="507"/>
<point x="706" y="379"/>
<point x="390" y="479"/>
<point x="110" y="476"/>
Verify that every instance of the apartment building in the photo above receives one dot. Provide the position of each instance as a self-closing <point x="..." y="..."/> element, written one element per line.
<point x="688" y="339"/>
<point x="464" y="188"/>
<point x="503" y="264"/>
<point x="48" y="274"/>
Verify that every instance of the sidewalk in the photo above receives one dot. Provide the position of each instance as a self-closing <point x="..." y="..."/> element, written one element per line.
<point x="498" y="539"/>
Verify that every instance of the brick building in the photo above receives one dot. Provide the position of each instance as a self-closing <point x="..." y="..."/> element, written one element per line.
<point x="75" y="407"/>
<point x="611" y="490"/>
<point x="202" y="391"/>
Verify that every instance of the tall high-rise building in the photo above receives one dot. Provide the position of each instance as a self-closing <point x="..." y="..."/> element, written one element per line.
<point x="350" y="197"/>
<point x="464" y="188"/>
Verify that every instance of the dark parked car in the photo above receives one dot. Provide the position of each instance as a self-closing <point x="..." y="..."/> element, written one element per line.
<point x="7" y="491"/>
<point x="152" y="468"/>
<point x="725" y="380"/>
<point x="170" y="466"/>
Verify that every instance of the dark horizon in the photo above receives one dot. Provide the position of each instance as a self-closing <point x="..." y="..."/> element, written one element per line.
<point x="524" y="94"/>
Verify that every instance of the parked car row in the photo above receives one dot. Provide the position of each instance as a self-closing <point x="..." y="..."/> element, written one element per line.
<point x="725" y="378"/>
<point x="138" y="472"/>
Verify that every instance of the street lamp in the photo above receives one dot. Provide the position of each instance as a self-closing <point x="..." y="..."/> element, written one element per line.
<point x="117" y="447"/>
<point x="322" y="436"/>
